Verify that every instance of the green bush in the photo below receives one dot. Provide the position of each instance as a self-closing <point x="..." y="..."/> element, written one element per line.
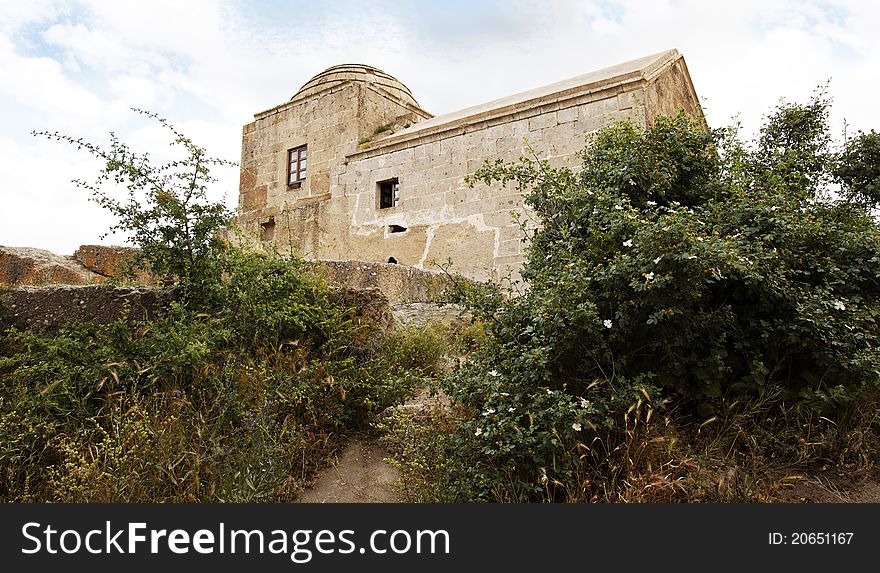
<point x="679" y="266"/>
<point x="237" y="393"/>
<point x="234" y="402"/>
<point x="166" y="212"/>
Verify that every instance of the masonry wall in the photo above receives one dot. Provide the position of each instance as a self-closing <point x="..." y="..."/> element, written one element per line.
<point x="439" y="218"/>
<point x="331" y="123"/>
<point x="443" y="217"/>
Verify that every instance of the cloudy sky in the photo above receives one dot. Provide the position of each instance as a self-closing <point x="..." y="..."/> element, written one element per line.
<point x="208" y="65"/>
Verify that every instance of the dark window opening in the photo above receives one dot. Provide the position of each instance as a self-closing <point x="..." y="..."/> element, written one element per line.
<point x="392" y="260"/>
<point x="296" y="166"/>
<point x="396" y="229"/>
<point x="389" y="193"/>
<point x="267" y="230"/>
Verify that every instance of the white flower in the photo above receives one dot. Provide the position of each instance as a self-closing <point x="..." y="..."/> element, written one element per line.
<point x="691" y="257"/>
<point x="628" y="243"/>
<point x="549" y="391"/>
<point x="618" y="207"/>
<point x="838" y="305"/>
<point x="649" y="276"/>
<point x="503" y="394"/>
<point x="607" y="323"/>
<point x="576" y="427"/>
<point x="493" y="373"/>
<point x="479" y="432"/>
<point x="585" y="403"/>
<point x="511" y="409"/>
<point x="488" y="412"/>
<point x="652" y="203"/>
<point x="658" y="259"/>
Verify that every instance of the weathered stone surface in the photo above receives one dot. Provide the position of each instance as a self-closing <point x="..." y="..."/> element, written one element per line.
<point x="372" y="314"/>
<point x="26" y="266"/>
<point x="398" y="283"/>
<point x="45" y="309"/>
<point x="339" y="115"/>
<point x="90" y="264"/>
<point x="421" y="314"/>
<point x="109" y="261"/>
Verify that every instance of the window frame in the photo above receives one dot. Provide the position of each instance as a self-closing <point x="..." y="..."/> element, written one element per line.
<point x="298" y="168"/>
<point x="394" y="182"/>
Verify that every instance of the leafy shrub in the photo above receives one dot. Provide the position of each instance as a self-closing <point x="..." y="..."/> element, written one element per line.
<point x="236" y="393"/>
<point x="239" y="402"/>
<point x="166" y="212"/>
<point x="678" y="266"/>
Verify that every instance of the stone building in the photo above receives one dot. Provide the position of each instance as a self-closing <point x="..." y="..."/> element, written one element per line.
<point x="353" y="168"/>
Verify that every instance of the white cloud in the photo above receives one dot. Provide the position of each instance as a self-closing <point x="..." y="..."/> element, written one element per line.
<point x="41" y="87"/>
<point x="209" y="65"/>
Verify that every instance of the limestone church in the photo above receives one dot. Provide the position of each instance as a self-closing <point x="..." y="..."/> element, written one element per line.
<point x="353" y="168"/>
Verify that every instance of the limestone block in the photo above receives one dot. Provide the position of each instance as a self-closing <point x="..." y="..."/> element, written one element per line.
<point x="494" y="132"/>
<point x="109" y="261"/>
<point x="469" y="248"/>
<point x="508" y="230"/>
<point x="510" y="247"/>
<point x="567" y="114"/>
<point x="541" y="121"/>
<point x="433" y="202"/>
<point x="500" y="218"/>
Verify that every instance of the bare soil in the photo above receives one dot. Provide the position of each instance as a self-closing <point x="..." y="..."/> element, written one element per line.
<point x="360" y="474"/>
<point x="833" y="486"/>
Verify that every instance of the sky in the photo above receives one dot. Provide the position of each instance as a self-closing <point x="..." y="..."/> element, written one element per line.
<point x="79" y="66"/>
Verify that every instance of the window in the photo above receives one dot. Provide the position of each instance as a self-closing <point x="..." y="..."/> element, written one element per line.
<point x="296" y="166"/>
<point x="267" y="230"/>
<point x="389" y="193"/>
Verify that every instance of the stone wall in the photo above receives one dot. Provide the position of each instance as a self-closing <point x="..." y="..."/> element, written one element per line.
<point x="370" y="288"/>
<point x="45" y="309"/>
<point x="94" y="263"/>
<point x="332" y="118"/>
<point x="398" y="283"/>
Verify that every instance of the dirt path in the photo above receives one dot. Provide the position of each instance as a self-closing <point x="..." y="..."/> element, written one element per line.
<point x="360" y="475"/>
<point x="827" y="486"/>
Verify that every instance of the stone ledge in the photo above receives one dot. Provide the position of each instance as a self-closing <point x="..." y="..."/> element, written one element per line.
<point x="45" y="309"/>
<point x="399" y="283"/>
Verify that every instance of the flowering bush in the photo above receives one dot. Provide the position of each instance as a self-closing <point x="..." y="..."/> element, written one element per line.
<point x="679" y="265"/>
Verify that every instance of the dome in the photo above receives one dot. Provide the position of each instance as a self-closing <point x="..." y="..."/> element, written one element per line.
<point x="356" y="73"/>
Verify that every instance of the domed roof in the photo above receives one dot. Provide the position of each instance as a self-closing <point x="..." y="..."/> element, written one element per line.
<point x="356" y="73"/>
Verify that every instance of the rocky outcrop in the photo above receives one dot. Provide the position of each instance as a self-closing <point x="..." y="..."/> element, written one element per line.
<point x="26" y="266"/>
<point x="110" y="261"/>
<point x="90" y="264"/>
